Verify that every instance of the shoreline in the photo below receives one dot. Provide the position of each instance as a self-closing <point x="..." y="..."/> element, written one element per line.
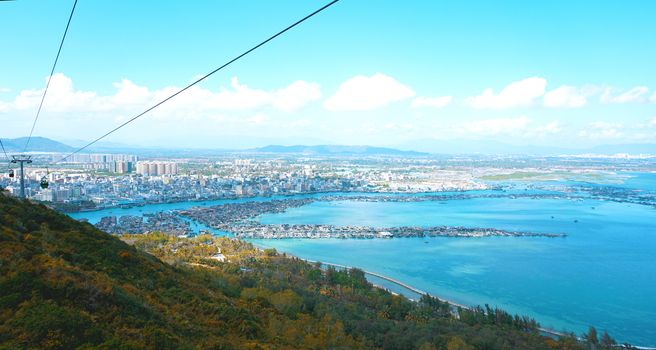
<point x="389" y="279"/>
<point x="451" y="303"/>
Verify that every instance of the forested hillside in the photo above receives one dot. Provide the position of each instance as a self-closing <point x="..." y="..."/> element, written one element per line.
<point x="66" y="285"/>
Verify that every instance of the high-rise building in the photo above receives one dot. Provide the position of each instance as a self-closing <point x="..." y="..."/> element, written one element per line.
<point x="142" y="168"/>
<point x="121" y="167"/>
<point x="45" y="195"/>
<point x="156" y="168"/>
<point x="152" y="169"/>
<point x="161" y="168"/>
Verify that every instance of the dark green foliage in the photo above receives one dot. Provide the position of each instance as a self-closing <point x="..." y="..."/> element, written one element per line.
<point x="72" y="207"/>
<point x="606" y="340"/>
<point x="48" y="325"/>
<point x="591" y="336"/>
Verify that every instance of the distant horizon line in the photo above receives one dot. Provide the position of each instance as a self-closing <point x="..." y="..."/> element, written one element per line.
<point x="357" y="149"/>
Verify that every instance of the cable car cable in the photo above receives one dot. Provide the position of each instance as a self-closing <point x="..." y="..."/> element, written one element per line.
<point x="6" y="155"/>
<point x="3" y="149"/>
<point x="52" y="71"/>
<point x="201" y="79"/>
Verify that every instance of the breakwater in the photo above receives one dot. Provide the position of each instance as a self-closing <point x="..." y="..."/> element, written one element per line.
<point x="222" y="216"/>
<point x="260" y="231"/>
<point x="239" y="219"/>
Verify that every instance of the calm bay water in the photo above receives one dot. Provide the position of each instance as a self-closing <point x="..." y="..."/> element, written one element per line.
<point x="603" y="273"/>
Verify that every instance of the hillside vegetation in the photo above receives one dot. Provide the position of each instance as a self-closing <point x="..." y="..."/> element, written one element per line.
<point x="66" y="285"/>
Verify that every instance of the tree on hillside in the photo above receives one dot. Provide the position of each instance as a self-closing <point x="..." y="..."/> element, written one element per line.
<point x="591" y="338"/>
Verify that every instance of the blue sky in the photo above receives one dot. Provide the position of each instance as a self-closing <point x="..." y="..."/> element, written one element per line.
<point x="389" y="73"/>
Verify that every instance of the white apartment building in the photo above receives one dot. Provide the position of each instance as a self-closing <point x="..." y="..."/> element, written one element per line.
<point x="157" y="168"/>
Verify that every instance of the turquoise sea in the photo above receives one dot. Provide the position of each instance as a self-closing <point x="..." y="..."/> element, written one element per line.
<point x="603" y="273"/>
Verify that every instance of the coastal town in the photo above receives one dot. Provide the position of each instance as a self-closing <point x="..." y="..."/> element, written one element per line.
<point x="111" y="180"/>
<point x="158" y="222"/>
<point x="273" y="183"/>
<point x="98" y="181"/>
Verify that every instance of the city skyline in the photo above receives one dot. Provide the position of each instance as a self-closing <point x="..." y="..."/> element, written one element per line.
<point x="395" y="75"/>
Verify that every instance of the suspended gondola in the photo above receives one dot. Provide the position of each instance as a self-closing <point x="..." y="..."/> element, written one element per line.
<point x="44" y="180"/>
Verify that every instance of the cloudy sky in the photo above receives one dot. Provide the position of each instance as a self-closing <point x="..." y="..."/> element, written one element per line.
<point x="388" y="73"/>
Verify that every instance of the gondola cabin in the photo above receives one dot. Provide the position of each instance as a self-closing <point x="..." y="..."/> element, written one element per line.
<point x="44" y="183"/>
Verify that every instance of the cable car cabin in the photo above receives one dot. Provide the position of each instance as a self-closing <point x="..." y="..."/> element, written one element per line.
<point x="11" y="173"/>
<point x="44" y="182"/>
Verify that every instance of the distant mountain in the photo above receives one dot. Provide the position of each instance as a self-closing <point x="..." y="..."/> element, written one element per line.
<point x="336" y="150"/>
<point x="42" y="144"/>
<point x="416" y="148"/>
<point x="37" y="144"/>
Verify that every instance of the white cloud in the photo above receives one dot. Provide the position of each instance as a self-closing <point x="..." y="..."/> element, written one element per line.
<point x="296" y="96"/>
<point x="4" y="89"/>
<point x="129" y="97"/>
<point x="605" y="125"/>
<point x="518" y="94"/>
<point x="258" y="118"/>
<point x="61" y="98"/>
<point x="490" y="127"/>
<point x="300" y="123"/>
<point x="553" y="127"/>
<point x="602" y="130"/>
<point x="362" y="93"/>
<point x="566" y="96"/>
<point x="241" y="97"/>
<point x="128" y="93"/>
<point x="519" y="127"/>
<point x="653" y="98"/>
<point x="435" y="102"/>
<point x="404" y="126"/>
<point x="636" y="94"/>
